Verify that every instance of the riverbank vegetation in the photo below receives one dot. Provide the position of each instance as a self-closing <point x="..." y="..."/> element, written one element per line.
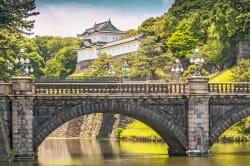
<point x="137" y="131"/>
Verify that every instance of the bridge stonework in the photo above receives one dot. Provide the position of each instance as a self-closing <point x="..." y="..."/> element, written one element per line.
<point x="198" y="116"/>
<point x="22" y="117"/>
<point x="188" y="116"/>
<point x="226" y="111"/>
<point x="167" y="116"/>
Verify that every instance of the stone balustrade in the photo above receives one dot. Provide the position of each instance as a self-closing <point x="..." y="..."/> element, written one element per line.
<point x="229" y="87"/>
<point x="118" y="88"/>
<point x="110" y="88"/>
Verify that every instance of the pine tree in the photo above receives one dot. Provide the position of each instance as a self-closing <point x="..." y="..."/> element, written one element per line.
<point x="14" y="15"/>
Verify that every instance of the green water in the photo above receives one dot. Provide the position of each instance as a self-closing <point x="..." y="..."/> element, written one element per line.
<point x="84" y="152"/>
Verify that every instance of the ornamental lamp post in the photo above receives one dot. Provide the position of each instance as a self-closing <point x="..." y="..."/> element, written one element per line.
<point x="24" y="63"/>
<point x="9" y="68"/>
<point x="177" y="69"/>
<point x="125" y="69"/>
<point x="197" y="59"/>
<point x="111" y="70"/>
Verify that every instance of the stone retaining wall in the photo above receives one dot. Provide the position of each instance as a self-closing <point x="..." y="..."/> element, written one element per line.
<point x="92" y="126"/>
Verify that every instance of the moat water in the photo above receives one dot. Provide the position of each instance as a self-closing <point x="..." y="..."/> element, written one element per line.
<point x="85" y="152"/>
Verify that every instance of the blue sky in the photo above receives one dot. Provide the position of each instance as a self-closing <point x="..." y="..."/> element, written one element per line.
<point x="71" y="17"/>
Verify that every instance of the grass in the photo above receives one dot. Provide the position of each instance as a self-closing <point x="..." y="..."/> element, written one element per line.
<point x="224" y="76"/>
<point x="139" y="131"/>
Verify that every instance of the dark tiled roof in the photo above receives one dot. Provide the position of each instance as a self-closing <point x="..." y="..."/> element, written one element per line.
<point x="106" y="26"/>
<point x="86" y="43"/>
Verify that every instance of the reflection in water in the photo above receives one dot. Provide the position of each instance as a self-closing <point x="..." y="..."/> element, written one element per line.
<point x="86" y="152"/>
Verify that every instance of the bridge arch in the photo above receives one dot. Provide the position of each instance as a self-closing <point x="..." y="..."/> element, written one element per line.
<point x="228" y="120"/>
<point x="171" y="132"/>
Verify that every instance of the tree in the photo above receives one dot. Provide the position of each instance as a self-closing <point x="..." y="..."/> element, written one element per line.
<point x="191" y="70"/>
<point x="101" y="66"/>
<point x="32" y="52"/>
<point x="181" y="43"/>
<point x="14" y="16"/>
<point x="150" y="58"/>
<point x="130" y="33"/>
<point x="242" y="18"/>
<point x="42" y="44"/>
<point x="48" y="46"/>
<point x="241" y="72"/>
<point x="14" y="22"/>
<point x="147" y="26"/>
<point x="62" y="64"/>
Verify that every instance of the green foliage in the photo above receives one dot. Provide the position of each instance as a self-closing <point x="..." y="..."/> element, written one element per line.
<point x="181" y="42"/>
<point x="48" y="46"/>
<point x="130" y="33"/>
<point x="241" y="72"/>
<point x="57" y="56"/>
<point x="62" y="64"/>
<point x="32" y="52"/>
<point x="100" y="67"/>
<point x="150" y="58"/>
<point x="191" y="70"/>
<point x="14" y="22"/>
<point x="146" y="27"/>
<point x="139" y="131"/>
<point x="42" y="44"/>
<point x="214" y="26"/>
<point x="12" y="153"/>
<point x="118" y="133"/>
<point x="14" y="14"/>
<point x="239" y="132"/>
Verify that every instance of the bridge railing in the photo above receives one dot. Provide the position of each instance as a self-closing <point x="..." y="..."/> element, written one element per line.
<point x="110" y="88"/>
<point x="5" y="88"/>
<point x="229" y="87"/>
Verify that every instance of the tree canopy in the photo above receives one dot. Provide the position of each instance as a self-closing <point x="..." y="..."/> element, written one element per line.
<point x="14" y="22"/>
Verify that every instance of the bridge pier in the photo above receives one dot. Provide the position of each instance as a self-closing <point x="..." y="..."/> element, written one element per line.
<point x="198" y="117"/>
<point x="22" y="117"/>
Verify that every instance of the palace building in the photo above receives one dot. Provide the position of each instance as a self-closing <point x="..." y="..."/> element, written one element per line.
<point x="104" y="38"/>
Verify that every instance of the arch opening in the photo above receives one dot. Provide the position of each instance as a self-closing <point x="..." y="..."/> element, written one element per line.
<point x="172" y="134"/>
<point x="228" y="121"/>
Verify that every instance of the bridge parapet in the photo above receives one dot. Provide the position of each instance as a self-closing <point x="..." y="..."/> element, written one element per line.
<point x="5" y="88"/>
<point x="229" y="87"/>
<point x="109" y="88"/>
<point x="27" y="87"/>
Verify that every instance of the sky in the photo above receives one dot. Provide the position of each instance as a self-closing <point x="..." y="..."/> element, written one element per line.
<point x="71" y="17"/>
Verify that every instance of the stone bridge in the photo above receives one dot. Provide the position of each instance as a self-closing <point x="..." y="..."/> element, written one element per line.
<point x="190" y="116"/>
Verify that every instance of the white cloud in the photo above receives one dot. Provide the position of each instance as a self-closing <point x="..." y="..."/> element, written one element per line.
<point x="72" y="19"/>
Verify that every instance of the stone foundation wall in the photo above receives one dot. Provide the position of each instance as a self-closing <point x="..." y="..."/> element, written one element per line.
<point x="93" y="126"/>
<point x="3" y="140"/>
<point x="243" y="50"/>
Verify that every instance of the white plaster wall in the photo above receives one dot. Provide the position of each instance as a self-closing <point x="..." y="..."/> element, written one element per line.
<point x="104" y="37"/>
<point x="87" y="53"/>
<point x="122" y="48"/>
